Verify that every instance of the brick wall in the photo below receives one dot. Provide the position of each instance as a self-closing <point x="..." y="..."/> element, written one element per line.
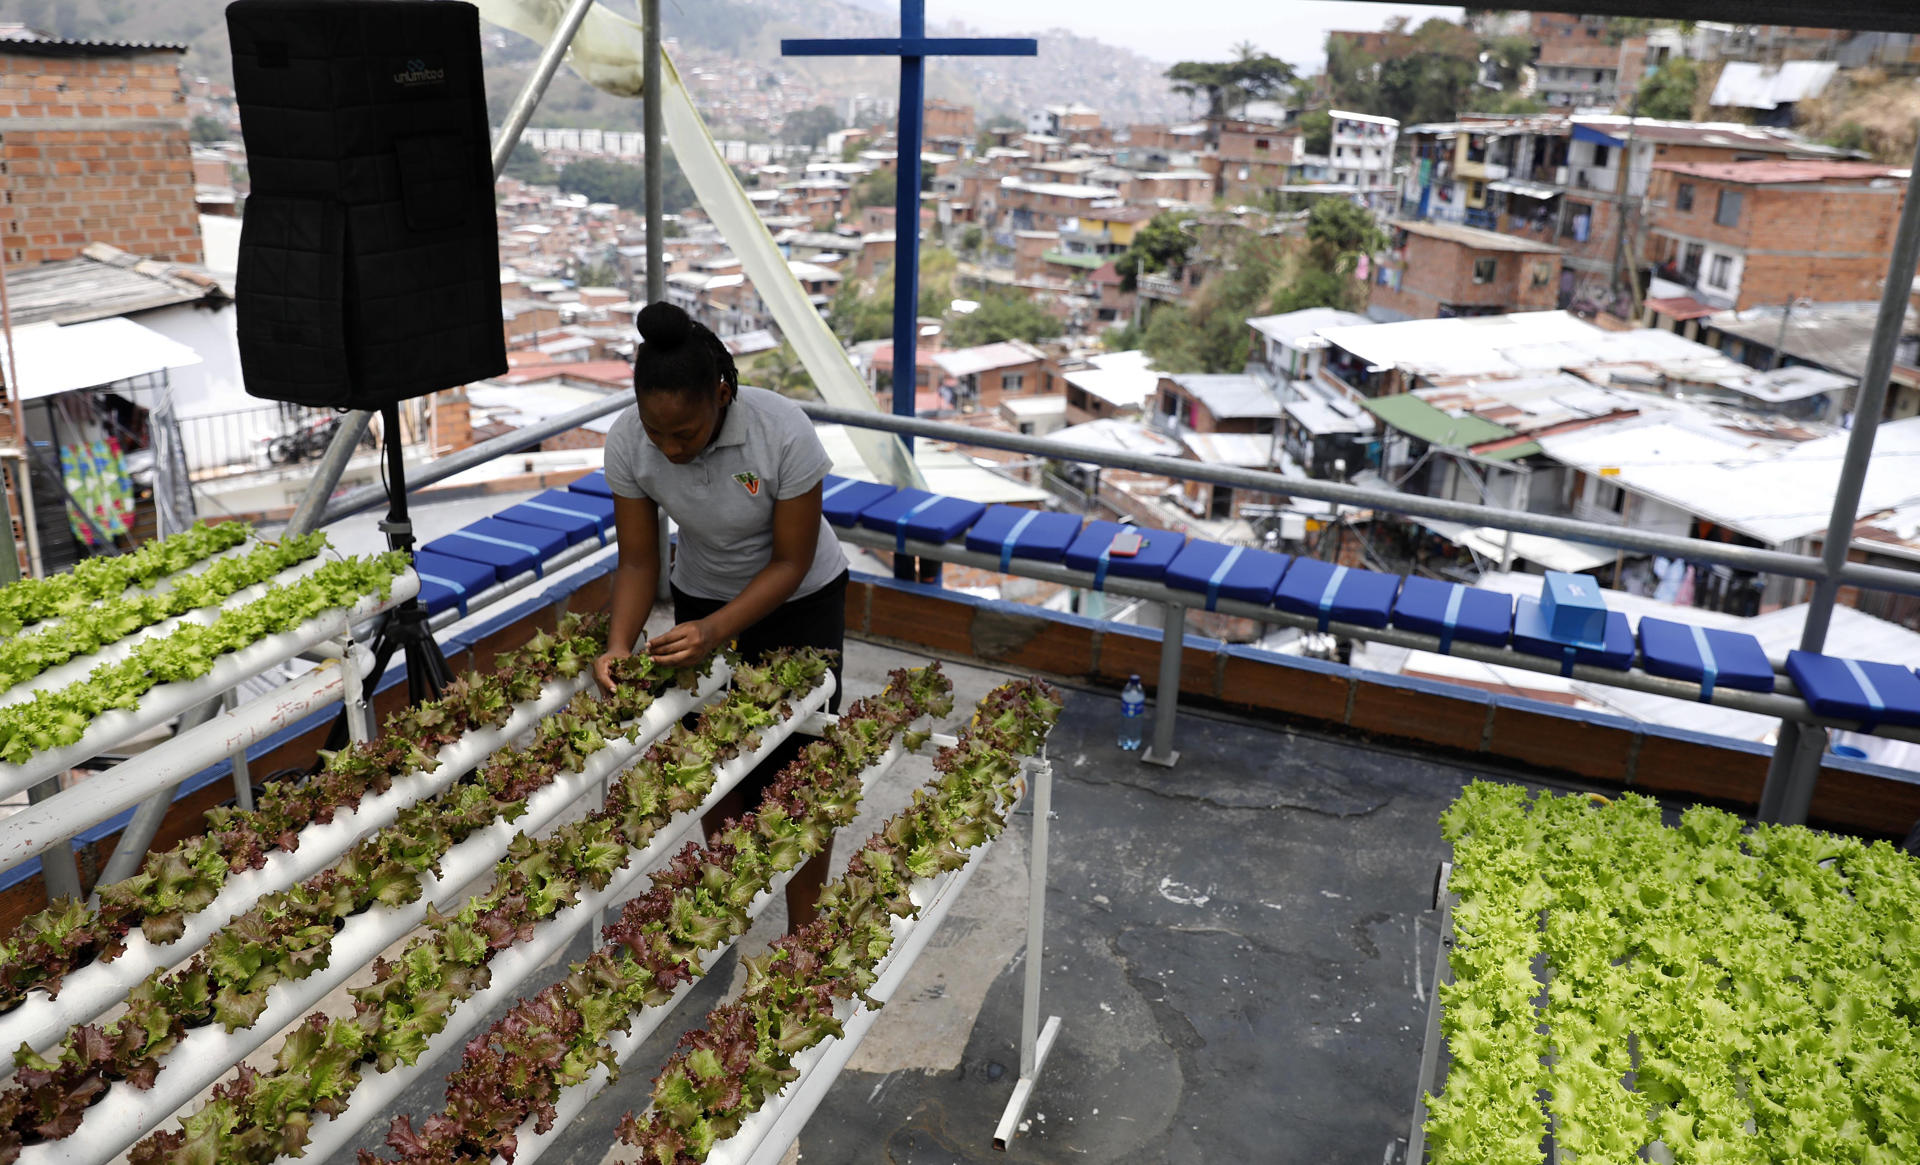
<point x="95" y="150"/>
<point x="1440" y="272"/>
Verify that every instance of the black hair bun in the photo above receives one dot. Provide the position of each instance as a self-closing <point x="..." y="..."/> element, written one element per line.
<point x="663" y="326"/>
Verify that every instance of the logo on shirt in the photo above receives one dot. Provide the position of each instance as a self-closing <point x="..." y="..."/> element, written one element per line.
<point x="749" y="481"/>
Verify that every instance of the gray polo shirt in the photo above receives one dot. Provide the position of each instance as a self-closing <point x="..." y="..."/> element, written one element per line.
<point x="723" y="499"/>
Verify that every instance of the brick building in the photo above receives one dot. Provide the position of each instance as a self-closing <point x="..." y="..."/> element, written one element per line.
<point x="947" y="123"/>
<point x="1435" y="270"/>
<point x="1254" y="158"/>
<point x="1741" y="234"/>
<point x="94" y="149"/>
<point x="1583" y="61"/>
<point x="983" y="376"/>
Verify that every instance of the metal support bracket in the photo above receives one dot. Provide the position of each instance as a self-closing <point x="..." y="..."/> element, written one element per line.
<point x="1035" y="1042"/>
<point x="1166" y="696"/>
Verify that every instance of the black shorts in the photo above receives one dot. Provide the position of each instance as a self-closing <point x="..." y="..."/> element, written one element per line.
<point x="815" y="620"/>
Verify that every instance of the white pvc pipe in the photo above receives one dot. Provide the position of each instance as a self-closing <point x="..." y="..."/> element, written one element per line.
<point x="47" y="824"/>
<point x="514" y="966"/>
<point x="933" y="895"/>
<point x="125" y="1114"/>
<point x="161" y="585"/>
<point x="93" y="989"/>
<point x="764" y="1136"/>
<point x="80" y="667"/>
<point x="164" y="702"/>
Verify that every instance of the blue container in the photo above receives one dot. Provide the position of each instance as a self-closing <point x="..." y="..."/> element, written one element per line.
<point x="1574" y="609"/>
<point x="1846" y="689"/>
<point x="508" y="548"/>
<point x="1013" y="532"/>
<point x="842" y="498"/>
<point x="1233" y="572"/>
<point x="1710" y="658"/>
<point x="594" y="483"/>
<point x="600" y="509"/>
<point x="1453" y="611"/>
<point x="577" y="527"/>
<point x="1532" y="635"/>
<point x="450" y="582"/>
<point x="1089" y="552"/>
<point x="1337" y="594"/>
<point x="921" y="516"/>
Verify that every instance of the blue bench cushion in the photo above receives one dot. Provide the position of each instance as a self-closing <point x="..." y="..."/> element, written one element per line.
<point x="842" y="498"/>
<point x="1037" y="534"/>
<point x="576" y="526"/>
<point x="600" y="509"/>
<point x="923" y="516"/>
<point x="1532" y="636"/>
<point x="1088" y="551"/>
<point x="509" y="548"/>
<point x="1237" y="572"/>
<point x="593" y="483"/>
<point x="1453" y="611"/>
<point x="1364" y="597"/>
<point x="1833" y="689"/>
<point x="449" y="582"/>
<point x="1673" y="650"/>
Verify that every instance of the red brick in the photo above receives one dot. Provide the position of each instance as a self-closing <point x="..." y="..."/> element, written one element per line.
<point x="1122" y="655"/>
<point x="1864" y="803"/>
<point x="905" y="615"/>
<point x="1414" y="713"/>
<point x="1535" y="735"/>
<point x="1676" y="765"/>
<point x="1281" y="687"/>
<point x="1032" y="642"/>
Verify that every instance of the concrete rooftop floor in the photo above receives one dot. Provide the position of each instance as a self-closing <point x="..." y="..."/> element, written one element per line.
<point x="1239" y="949"/>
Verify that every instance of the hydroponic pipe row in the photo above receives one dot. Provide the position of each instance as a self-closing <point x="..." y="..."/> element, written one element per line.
<point x="267" y="967"/>
<point x="411" y="998"/>
<point x="64" y="961"/>
<point x="159" y="679"/>
<point x="32" y="603"/>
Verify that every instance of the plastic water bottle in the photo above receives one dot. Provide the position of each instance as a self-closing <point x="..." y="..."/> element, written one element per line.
<point x="1133" y="714"/>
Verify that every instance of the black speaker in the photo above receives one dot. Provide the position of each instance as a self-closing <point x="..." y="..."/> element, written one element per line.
<point x="369" y="269"/>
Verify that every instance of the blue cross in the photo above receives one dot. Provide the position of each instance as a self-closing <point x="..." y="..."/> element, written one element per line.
<point x="913" y="46"/>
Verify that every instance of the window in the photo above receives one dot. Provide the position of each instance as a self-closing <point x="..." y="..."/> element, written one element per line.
<point x="1683" y="197"/>
<point x="1727" y="213"/>
<point x="1479" y="189"/>
<point x="1262" y="144"/>
<point x="1222" y="504"/>
<point x="1485" y="269"/>
<point x="1012" y="381"/>
<point x="1690" y="265"/>
<point x="1601" y="154"/>
<point x="1599" y="75"/>
<point x="1720" y="274"/>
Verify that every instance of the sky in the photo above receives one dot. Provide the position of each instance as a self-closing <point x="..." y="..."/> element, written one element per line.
<point x="1294" y="30"/>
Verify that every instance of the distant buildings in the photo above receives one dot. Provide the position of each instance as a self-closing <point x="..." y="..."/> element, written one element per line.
<point x="1434" y="270"/>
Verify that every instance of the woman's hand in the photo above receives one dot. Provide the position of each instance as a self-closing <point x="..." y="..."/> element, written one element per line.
<point x="685" y="643"/>
<point x="603" y="669"/>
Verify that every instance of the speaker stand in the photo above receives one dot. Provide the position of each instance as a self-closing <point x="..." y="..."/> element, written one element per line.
<point x="405" y="629"/>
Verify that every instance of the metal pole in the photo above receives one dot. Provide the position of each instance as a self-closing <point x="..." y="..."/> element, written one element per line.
<point x="551" y="55"/>
<point x="59" y="873"/>
<point x="655" y="163"/>
<point x="1418" y="505"/>
<point x="1035" y="1042"/>
<point x="308" y="515"/>
<point x="1795" y="767"/>
<point x="29" y="526"/>
<point x="655" y="160"/>
<point x="1166" y="697"/>
<point x="906" y="201"/>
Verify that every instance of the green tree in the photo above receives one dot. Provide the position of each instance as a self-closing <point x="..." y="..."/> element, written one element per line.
<point x="528" y="165"/>
<point x="1669" y="93"/>
<point x="971" y="240"/>
<point x="782" y="371"/>
<point x="875" y="189"/>
<point x="857" y="314"/>
<point x="1430" y="76"/>
<point x="1338" y="233"/>
<point x="625" y="185"/>
<point x="1316" y="132"/>
<point x="1161" y="245"/>
<point x="809" y="127"/>
<point x="209" y="129"/>
<point x="1250" y="76"/>
<point x="596" y="275"/>
<point x="1004" y="315"/>
<point x="1211" y="334"/>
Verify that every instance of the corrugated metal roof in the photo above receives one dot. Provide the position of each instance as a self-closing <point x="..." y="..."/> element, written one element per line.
<point x="1415" y="417"/>
<point x="19" y="38"/>
<point x="103" y="282"/>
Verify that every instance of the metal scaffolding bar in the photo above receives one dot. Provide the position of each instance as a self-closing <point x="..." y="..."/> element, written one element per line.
<point x="1261" y="481"/>
<point x="1795" y="766"/>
